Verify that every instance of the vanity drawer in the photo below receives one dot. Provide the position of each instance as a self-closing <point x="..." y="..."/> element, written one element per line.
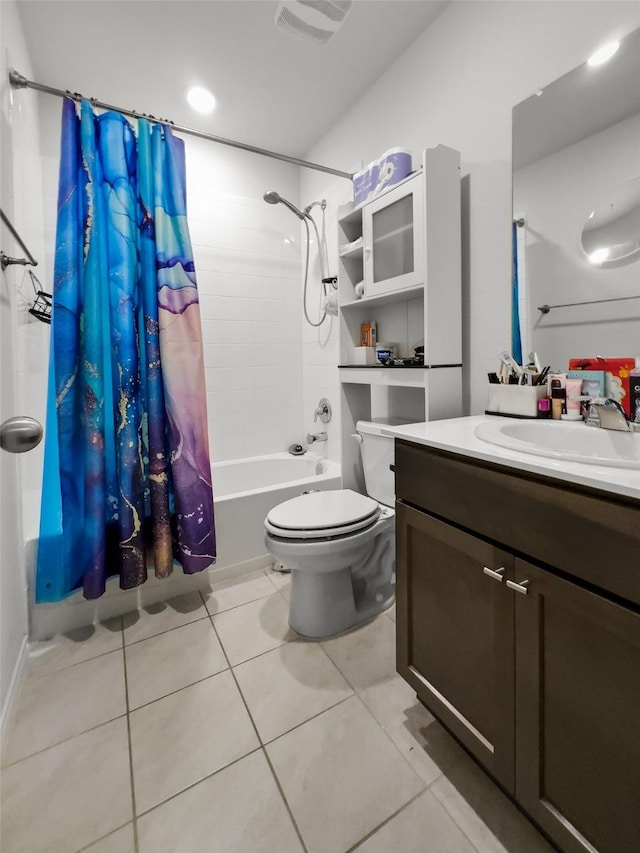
<point x="580" y="531"/>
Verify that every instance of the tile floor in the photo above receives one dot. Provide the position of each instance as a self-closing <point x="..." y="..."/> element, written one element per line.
<point x="206" y="724"/>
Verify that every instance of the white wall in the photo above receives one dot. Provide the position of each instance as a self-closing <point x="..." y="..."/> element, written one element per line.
<point x="556" y="194"/>
<point x="457" y="85"/>
<point x="20" y="339"/>
<point x="247" y="256"/>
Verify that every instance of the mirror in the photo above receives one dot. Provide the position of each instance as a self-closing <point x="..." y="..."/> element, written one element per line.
<point x="611" y="235"/>
<point x="576" y="212"/>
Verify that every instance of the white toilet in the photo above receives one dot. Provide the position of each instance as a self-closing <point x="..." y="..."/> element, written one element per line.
<point x="340" y="545"/>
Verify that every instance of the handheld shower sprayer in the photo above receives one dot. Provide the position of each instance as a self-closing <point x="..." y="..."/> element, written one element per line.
<point x="272" y="197"/>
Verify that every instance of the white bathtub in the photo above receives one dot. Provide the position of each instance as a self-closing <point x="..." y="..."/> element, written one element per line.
<point x="244" y="491"/>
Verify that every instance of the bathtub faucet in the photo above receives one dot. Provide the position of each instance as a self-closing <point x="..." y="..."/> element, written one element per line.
<point x="312" y="437"/>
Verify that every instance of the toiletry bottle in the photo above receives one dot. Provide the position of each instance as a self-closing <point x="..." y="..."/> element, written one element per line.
<point x="544" y="407"/>
<point x="573" y="389"/>
<point x="558" y="397"/>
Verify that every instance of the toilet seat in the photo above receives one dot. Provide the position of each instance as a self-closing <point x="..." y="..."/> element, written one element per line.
<point x="322" y="515"/>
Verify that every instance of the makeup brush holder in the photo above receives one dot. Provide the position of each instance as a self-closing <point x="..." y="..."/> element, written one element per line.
<point x="516" y="400"/>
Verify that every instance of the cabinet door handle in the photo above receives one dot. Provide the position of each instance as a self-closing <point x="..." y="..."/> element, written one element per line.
<point x="367" y="250"/>
<point x="518" y="587"/>
<point x="496" y="575"/>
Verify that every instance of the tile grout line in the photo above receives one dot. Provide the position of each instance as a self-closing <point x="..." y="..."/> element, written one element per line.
<point x="452" y="816"/>
<point x="64" y="740"/>
<point x="196" y="783"/>
<point x="262" y="746"/>
<point x="393" y="743"/>
<point x="131" y="779"/>
<point x="168" y="630"/>
<point x="38" y="675"/>
<point x="237" y="606"/>
<point x="178" y="689"/>
<point x="308" y="720"/>
<point x="384" y="822"/>
<point x="102" y="838"/>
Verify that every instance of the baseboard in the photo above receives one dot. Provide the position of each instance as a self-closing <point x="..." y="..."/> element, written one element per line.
<point x="46" y="620"/>
<point x="14" y="684"/>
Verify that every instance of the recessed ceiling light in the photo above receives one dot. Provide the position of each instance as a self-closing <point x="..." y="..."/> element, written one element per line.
<point x="603" y="54"/>
<point x="201" y="99"/>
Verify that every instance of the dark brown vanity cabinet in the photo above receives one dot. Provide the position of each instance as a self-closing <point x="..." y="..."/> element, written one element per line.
<point x="532" y="668"/>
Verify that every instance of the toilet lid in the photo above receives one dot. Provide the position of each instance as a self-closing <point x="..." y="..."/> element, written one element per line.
<point x="319" y="514"/>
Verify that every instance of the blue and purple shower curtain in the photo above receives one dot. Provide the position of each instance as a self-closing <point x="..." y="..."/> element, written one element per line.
<point x="127" y="476"/>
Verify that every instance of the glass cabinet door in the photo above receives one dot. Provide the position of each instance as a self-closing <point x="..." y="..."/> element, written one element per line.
<point x="393" y="239"/>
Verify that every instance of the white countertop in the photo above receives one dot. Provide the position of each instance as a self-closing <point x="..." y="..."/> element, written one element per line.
<point x="458" y="436"/>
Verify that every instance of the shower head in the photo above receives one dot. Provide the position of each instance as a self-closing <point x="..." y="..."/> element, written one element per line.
<point x="273" y="197"/>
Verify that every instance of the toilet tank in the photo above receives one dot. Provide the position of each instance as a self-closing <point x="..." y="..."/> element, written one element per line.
<point x="377" y="455"/>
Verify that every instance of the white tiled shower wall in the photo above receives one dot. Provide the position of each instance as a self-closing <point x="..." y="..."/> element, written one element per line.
<point x="247" y="256"/>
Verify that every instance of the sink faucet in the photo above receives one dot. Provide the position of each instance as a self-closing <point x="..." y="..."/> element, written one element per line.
<point x="317" y="436"/>
<point x="609" y="414"/>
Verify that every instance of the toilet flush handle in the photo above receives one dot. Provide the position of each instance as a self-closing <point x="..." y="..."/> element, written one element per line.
<point x="357" y="437"/>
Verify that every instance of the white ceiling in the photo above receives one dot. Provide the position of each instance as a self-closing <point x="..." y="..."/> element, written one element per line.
<point x="274" y="90"/>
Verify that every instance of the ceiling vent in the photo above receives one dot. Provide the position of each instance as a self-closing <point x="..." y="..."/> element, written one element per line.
<point x="313" y="20"/>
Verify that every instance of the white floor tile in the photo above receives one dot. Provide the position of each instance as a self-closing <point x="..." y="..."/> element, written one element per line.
<point x="54" y="707"/>
<point x="423" y="741"/>
<point x="238" y="810"/>
<point x="285" y="592"/>
<point x="182" y="738"/>
<point x="287" y="686"/>
<point x="486" y="816"/>
<point x="162" y="616"/>
<point x="166" y="663"/>
<point x="342" y="776"/>
<point x="120" y="841"/>
<point x="254" y="628"/>
<point x="66" y="797"/>
<point x="237" y="591"/>
<point x="365" y="655"/>
<point x="76" y="646"/>
<point x="201" y="780"/>
<point x="280" y="580"/>
<point x="422" y="826"/>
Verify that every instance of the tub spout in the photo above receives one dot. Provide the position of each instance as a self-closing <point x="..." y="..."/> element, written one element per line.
<point x="312" y="437"/>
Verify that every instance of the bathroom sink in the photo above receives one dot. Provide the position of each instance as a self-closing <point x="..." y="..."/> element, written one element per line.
<point x="560" y="440"/>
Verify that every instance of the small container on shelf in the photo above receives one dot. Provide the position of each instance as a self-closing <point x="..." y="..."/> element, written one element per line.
<point x="363" y="355"/>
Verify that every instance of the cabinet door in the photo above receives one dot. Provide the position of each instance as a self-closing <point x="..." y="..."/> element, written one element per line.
<point x="577" y="714"/>
<point x="455" y="634"/>
<point x="393" y="228"/>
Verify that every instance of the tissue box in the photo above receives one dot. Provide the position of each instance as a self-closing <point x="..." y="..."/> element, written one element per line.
<point x="381" y="175"/>
<point x="519" y="400"/>
<point x="594" y="382"/>
<point x="363" y="355"/>
<point x="618" y="371"/>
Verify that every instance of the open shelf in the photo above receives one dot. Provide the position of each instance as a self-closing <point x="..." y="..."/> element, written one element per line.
<point x="352" y="252"/>
<point x="413" y="288"/>
<point x="384" y="298"/>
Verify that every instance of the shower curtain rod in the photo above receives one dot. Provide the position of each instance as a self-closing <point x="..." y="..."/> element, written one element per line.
<point x="18" y="81"/>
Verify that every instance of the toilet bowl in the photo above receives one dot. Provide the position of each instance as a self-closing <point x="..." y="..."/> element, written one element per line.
<point x="340" y="546"/>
